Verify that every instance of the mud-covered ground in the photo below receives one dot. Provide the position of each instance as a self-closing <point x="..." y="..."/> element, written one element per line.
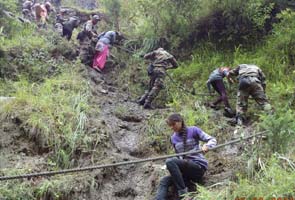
<point x="125" y="123"/>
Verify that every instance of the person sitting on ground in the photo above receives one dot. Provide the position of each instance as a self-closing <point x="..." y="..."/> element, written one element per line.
<point x="216" y="80"/>
<point x="251" y="82"/>
<point x="105" y="41"/>
<point x="188" y="168"/>
<point x="161" y="61"/>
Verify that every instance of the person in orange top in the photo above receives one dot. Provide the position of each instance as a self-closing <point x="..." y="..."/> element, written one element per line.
<point x="41" y="13"/>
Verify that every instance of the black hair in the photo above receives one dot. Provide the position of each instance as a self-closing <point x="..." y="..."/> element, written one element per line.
<point x="183" y="132"/>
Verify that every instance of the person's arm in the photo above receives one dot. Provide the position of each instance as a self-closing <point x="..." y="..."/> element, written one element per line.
<point x="173" y="63"/>
<point x="89" y="27"/>
<point x="209" y="86"/>
<point x="202" y="136"/>
<point x="234" y="72"/>
<point x="262" y="79"/>
<point x="149" y="55"/>
<point x="228" y="77"/>
<point x="99" y="46"/>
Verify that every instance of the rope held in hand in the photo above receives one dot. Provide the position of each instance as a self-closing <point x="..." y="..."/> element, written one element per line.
<point x="66" y="171"/>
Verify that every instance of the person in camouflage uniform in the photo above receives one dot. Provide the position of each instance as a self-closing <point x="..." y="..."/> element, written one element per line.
<point x="251" y="82"/>
<point x="161" y="61"/>
<point x="27" y="10"/>
<point x="87" y="39"/>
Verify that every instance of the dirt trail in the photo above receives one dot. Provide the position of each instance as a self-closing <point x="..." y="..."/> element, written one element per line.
<point x="126" y="123"/>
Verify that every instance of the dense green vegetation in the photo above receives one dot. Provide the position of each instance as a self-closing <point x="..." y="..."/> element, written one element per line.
<point x="52" y="97"/>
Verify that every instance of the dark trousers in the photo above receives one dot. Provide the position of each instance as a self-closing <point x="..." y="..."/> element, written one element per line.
<point x="67" y="33"/>
<point x="219" y="87"/>
<point x="181" y="172"/>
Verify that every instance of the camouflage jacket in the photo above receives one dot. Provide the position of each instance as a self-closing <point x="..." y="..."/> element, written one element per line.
<point x="161" y="59"/>
<point x="89" y="26"/>
<point x="246" y="70"/>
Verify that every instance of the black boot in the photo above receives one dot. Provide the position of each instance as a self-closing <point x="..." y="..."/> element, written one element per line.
<point x="142" y="99"/>
<point x="147" y="105"/>
<point x="228" y="112"/>
<point x="238" y="120"/>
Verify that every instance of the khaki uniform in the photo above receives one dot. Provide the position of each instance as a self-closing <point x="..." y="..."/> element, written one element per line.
<point x="161" y="61"/>
<point x="251" y="82"/>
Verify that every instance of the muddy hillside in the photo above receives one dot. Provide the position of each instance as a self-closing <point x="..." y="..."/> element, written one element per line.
<point x="88" y="83"/>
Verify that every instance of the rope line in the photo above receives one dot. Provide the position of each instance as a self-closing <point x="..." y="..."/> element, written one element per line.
<point x="51" y="173"/>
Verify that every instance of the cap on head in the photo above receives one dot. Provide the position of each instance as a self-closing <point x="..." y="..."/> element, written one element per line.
<point x="96" y="17"/>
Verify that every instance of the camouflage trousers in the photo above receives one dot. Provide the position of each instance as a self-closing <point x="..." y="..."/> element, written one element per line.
<point x="257" y="92"/>
<point x="155" y="85"/>
<point x="86" y="52"/>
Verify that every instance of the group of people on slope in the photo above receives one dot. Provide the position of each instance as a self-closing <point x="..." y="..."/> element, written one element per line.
<point x="94" y="48"/>
<point x="37" y="11"/>
<point x="251" y="82"/>
<point x="94" y="51"/>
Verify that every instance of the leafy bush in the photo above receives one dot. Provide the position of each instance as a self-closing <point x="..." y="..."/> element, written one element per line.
<point x="271" y="181"/>
<point x="281" y="128"/>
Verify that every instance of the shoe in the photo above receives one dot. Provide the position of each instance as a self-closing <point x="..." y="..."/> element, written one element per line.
<point x="228" y="112"/>
<point x="141" y="101"/>
<point x="239" y="121"/>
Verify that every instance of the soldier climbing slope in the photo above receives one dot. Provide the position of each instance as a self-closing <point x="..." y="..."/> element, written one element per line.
<point x="161" y="61"/>
<point x="251" y="82"/>
<point x="87" y="39"/>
